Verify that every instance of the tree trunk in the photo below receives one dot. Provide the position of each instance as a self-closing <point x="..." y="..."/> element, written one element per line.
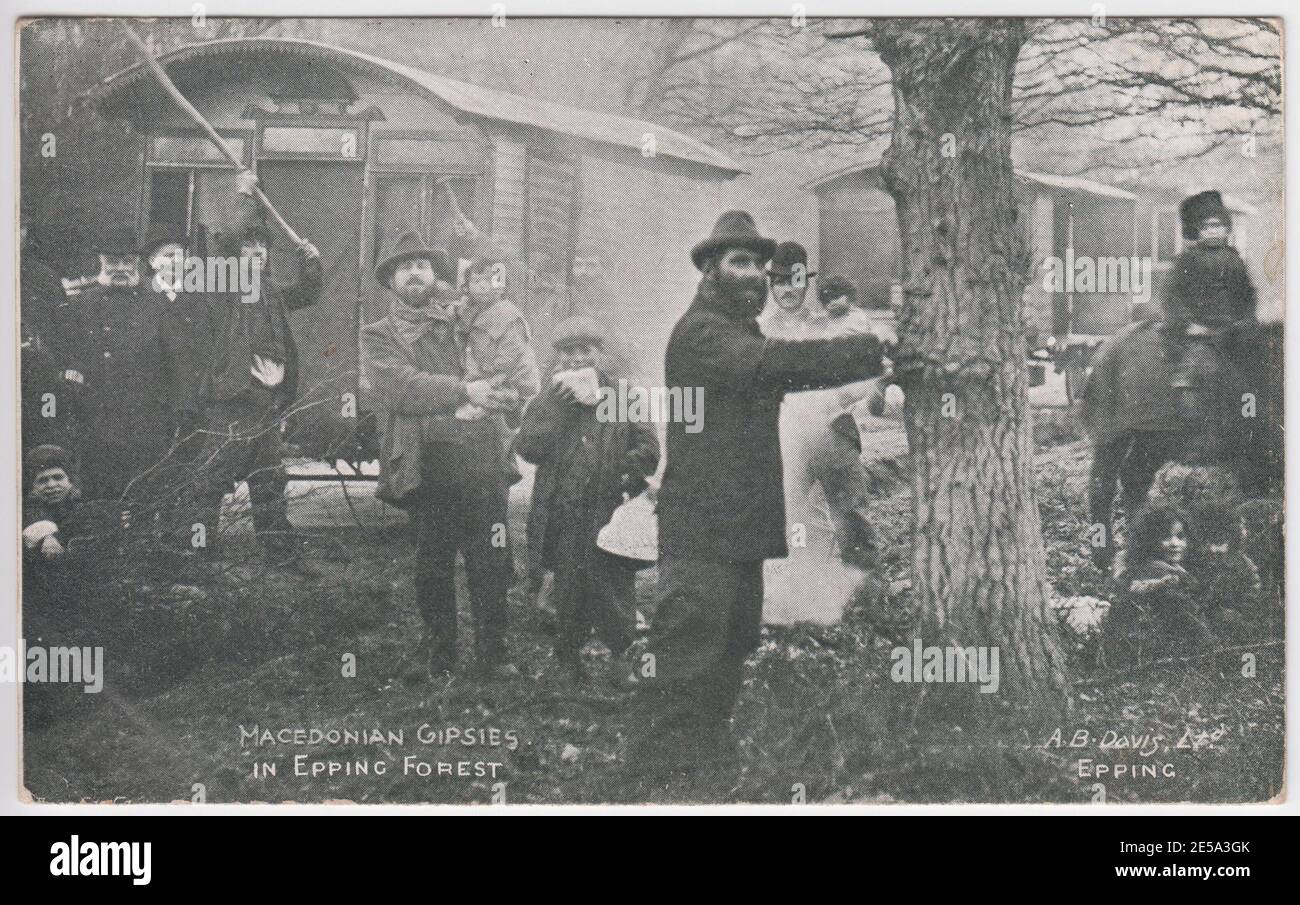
<point x="977" y="556"/>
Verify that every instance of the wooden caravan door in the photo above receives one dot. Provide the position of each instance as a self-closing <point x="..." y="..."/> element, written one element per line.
<point x="321" y="199"/>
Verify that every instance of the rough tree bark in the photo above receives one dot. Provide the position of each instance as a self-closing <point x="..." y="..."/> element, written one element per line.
<point x="978" y="560"/>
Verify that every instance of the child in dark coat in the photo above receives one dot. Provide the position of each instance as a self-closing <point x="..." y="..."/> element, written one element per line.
<point x="61" y="534"/>
<point x="586" y="468"/>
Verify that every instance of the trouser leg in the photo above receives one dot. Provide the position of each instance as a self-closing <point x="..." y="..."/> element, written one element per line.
<point x="267" y="482"/>
<point x="437" y="538"/>
<point x="744" y="631"/>
<point x="1148" y="451"/>
<point x="838" y="466"/>
<point x="488" y="565"/>
<point x="569" y="595"/>
<point x="676" y="712"/>
<point x="612" y="599"/>
<point x="1103" y="477"/>
<point x="227" y="457"/>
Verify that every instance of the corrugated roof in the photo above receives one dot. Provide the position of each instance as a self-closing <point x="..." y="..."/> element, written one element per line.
<point x="489" y="103"/>
<point x="1066" y="183"/>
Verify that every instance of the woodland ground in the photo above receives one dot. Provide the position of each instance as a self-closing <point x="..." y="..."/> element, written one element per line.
<point x="817" y="720"/>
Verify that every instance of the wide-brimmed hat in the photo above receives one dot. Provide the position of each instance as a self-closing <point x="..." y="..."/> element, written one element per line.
<point x="578" y="329"/>
<point x="162" y="234"/>
<point x="1200" y="207"/>
<point x="409" y="246"/>
<point x="734" y="229"/>
<point x="788" y="257"/>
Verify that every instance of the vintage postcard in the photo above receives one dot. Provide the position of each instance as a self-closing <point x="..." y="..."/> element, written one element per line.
<point x="789" y="410"/>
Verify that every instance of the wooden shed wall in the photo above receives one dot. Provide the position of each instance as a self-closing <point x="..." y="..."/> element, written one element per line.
<point x="644" y="216"/>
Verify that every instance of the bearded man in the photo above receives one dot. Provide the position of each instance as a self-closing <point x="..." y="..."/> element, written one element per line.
<point x="448" y="473"/>
<point x="118" y="350"/>
<point x="722" y="505"/>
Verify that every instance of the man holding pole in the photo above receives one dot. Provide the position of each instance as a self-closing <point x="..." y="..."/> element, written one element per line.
<point x="252" y="381"/>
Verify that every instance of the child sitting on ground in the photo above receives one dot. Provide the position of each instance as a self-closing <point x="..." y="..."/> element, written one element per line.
<point x="1227" y="581"/>
<point x="1159" y="613"/>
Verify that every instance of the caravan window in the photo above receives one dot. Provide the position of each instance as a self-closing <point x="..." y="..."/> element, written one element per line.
<point x="421" y="202"/>
<point x="331" y="142"/>
<point x="191" y="184"/>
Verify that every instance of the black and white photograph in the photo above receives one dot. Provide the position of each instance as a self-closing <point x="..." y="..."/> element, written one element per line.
<point x="725" y="410"/>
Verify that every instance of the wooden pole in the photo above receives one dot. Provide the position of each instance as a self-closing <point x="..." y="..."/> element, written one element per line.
<point x="206" y="126"/>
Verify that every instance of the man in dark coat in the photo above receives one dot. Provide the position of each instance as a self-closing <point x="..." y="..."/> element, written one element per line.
<point x="448" y="473"/>
<point x="586" y="468"/>
<point x="190" y="320"/>
<point x="118" y="349"/>
<point x="252" y="380"/>
<point x="722" y="504"/>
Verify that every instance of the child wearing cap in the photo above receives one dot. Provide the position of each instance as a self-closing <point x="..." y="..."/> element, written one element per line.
<point x="586" y="468"/>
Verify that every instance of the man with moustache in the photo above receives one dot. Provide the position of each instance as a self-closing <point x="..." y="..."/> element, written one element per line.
<point x="448" y="473"/>
<point x="721" y="506"/>
<point x="819" y="436"/>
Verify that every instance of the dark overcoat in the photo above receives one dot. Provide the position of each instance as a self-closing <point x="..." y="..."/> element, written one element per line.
<point x="117" y="340"/>
<point x="625" y="452"/>
<point x="722" y="497"/>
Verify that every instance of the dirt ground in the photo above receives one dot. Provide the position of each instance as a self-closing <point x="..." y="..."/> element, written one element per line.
<point x="208" y="689"/>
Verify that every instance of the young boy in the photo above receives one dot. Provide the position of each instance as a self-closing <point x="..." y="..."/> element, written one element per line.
<point x="59" y="532"/>
<point x="1209" y="284"/>
<point x="495" y="337"/>
<point x="50" y="503"/>
<point x="586" y="468"/>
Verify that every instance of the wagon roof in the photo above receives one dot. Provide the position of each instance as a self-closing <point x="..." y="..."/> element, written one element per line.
<point x="476" y="100"/>
<point x="1050" y="180"/>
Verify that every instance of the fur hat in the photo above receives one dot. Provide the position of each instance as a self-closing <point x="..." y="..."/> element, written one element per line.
<point x="160" y="234"/>
<point x="832" y="288"/>
<point x="1200" y="207"/>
